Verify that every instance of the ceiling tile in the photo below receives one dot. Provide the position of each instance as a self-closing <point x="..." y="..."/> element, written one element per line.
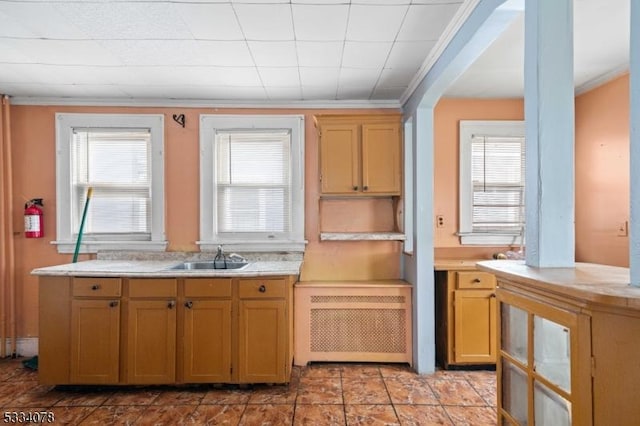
<point x="279" y="77"/>
<point x="319" y="77"/>
<point x="200" y="76"/>
<point x="320" y="22"/>
<point x="265" y="22"/>
<point x="34" y="90"/>
<point x="64" y="52"/>
<point x="319" y="93"/>
<point x="397" y="77"/>
<point x="284" y="93"/>
<point x="426" y="22"/>
<point x="358" y="77"/>
<point x="181" y="52"/>
<point x="375" y="23"/>
<point x="210" y="21"/>
<point x="319" y="53"/>
<point x="239" y="93"/>
<point x="125" y="20"/>
<point x="353" y="93"/>
<point x="365" y="55"/>
<point x="12" y="50"/>
<point x="15" y="73"/>
<point x="39" y="20"/>
<point x="437" y="2"/>
<point x="388" y="93"/>
<point x="409" y="54"/>
<point x="320" y="1"/>
<point x="274" y="53"/>
<point x="259" y="1"/>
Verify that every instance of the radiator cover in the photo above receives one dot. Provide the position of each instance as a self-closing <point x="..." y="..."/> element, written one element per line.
<point x="352" y="321"/>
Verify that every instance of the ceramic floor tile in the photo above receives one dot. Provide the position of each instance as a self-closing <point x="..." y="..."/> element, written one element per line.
<point x="38" y="396"/>
<point x="167" y="415"/>
<point x="456" y="392"/>
<point x="472" y="416"/>
<point x="369" y="390"/>
<point x="134" y="396"/>
<point x="411" y="415"/>
<point x="276" y="394"/>
<point x="360" y="371"/>
<point x="371" y="415"/>
<point x="180" y="397"/>
<point x="226" y="396"/>
<point x="410" y="391"/>
<point x="70" y="415"/>
<point x="114" y="415"/>
<point x="217" y="415"/>
<point x="397" y="370"/>
<point x="319" y="414"/>
<point x="486" y="389"/>
<point x="319" y="391"/>
<point x="9" y="391"/>
<point x="82" y="397"/>
<point x="321" y="370"/>
<point x="268" y="414"/>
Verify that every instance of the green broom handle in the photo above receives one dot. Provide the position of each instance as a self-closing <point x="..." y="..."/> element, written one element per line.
<point x="84" y="216"/>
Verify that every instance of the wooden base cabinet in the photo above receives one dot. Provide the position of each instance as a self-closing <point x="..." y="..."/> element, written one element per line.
<point x="466" y="317"/>
<point x="165" y="330"/>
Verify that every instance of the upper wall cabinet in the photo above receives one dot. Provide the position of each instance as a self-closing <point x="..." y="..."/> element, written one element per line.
<point x="360" y="154"/>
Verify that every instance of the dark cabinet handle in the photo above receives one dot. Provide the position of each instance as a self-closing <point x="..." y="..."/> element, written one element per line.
<point x="188" y="304"/>
<point x="262" y="289"/>
<point x="95" y="287"/>
<point x="171" y="304"/>
<point x="493" y="295"/>
<point x="476" y="280"/>
<point x="355" y="188"/>
<point x="364" y="188"/>
<point x="113" y="303"/>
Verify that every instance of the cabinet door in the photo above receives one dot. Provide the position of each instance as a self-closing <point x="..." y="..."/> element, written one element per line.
<point x="475" y="326"/>
<point x="339" y="159"/>
<point x="95" y="341"/>
<point x="207" y="341"/>
<point x="262" y="341"/>
<point x="381" y="170"/>
<point x="151" y="341"/>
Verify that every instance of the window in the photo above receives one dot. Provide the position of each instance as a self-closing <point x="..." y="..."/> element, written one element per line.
<point x="251" y="182"/>
<point x="492" y="182"/>
<point x="120" y="158"/>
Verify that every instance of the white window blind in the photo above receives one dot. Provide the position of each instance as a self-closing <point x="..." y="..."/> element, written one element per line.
<point x="253" y="181"/>
<point x="497" y="174"/>
<point x="116" y="163"/>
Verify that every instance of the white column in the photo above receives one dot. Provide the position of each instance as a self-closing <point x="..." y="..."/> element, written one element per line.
<point x="634" y="145"/>
<point x="549" y="115"/>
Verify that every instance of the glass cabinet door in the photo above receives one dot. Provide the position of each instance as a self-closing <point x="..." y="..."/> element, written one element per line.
<point x="552" y="352"/>
<point x="514" y="332"/>
<point x="549" y="407"/>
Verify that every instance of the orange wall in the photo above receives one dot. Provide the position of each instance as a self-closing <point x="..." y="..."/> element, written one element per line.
<point x="602" y="173"/>
<point x="33" y="139"/>
<point x="448" y="113"/>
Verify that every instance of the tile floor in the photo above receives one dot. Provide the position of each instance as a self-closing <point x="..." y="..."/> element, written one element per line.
<point x="320" y="394"/>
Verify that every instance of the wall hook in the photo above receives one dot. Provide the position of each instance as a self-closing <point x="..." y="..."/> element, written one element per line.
<point x="179" y="118"/>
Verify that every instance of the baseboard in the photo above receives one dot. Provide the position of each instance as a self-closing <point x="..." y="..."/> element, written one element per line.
<point x="25" y="346"/>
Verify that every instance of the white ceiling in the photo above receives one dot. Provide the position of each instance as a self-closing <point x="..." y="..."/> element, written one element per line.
<point x="266" y="51"/>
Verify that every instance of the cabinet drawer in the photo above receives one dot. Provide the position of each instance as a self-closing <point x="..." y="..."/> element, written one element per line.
<point x="153" y="287"/>
<point x="207" y="287"/>
<point x="97" y="287"/>
<point x="475" y="279"/>
<point x="267" y="288"/>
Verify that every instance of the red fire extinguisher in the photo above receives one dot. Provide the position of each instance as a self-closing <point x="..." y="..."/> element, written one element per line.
<point x="33" y="219"/>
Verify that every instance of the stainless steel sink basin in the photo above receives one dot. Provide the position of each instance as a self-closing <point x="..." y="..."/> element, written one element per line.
<point x="210" y="264"/>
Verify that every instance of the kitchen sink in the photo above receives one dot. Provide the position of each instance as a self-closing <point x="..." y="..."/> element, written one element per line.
<point x="210" y="264"/>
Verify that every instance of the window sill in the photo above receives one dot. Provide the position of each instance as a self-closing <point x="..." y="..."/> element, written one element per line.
<point x="68" y="247"/>
<point x="490" y="239"/>
<point x="253" y="246"/>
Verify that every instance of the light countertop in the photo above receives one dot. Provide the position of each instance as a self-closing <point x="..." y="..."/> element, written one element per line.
<point x="592" y="283"/>
<point x="160" y="268"/>
<point x="456" y="264"/>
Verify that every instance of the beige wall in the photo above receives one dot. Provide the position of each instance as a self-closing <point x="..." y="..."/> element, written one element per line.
<point x="602" y="173"/>
<point x="33" y="138"/>
<point x="448" y="113"/>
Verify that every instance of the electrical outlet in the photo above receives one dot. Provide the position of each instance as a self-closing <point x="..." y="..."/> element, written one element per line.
<point x="623" y="229"/>
<point x="439" y="221"/>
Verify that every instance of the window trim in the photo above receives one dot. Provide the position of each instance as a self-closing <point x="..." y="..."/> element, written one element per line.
<point x="209" y="238"/>
<point x="65" y="123"/>
<point x="506" y="128"/>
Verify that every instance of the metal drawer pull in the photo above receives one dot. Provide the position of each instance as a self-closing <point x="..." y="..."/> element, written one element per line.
<point x="262" y="289"/>
<point x="188" y="304"/>
<point x="113" y="303"/>
<point x="355" y="188"/>
<point x="95" y="287"/>
<point x="476" y="280"/>
<point x="171" y="304"/>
